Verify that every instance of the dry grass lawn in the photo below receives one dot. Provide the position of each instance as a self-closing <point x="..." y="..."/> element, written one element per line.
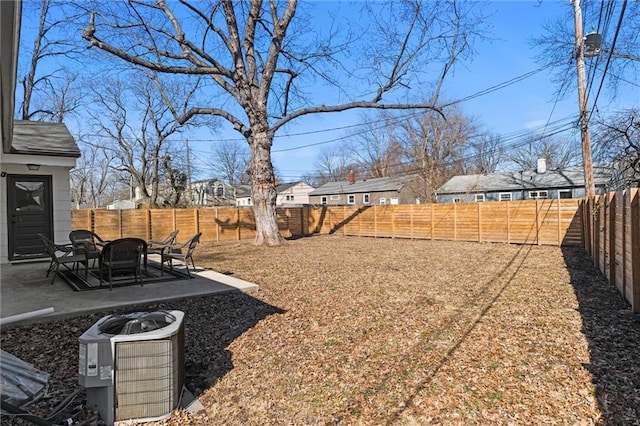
<point x="381" y="331"/>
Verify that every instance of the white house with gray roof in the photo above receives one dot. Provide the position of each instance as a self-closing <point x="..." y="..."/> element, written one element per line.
<point x="375" y="191"/>
<point x="522" y="185"/>
<point x="35" y="160"/>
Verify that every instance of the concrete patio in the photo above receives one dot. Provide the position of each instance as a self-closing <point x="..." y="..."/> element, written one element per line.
<point x="25" y="290"/>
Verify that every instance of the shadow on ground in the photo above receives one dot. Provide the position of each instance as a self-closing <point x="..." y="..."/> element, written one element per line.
<point x="613" y="335"/>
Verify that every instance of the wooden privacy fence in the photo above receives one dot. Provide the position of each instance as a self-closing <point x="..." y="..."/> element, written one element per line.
<point x="549" y="222"/>
<point x="612" y="233"/>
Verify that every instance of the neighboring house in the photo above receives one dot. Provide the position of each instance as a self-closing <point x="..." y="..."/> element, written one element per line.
<point x="122" y="205"/>
<point x="376" y="191"/>
<point x="212" y="192"/>
<point x="525" y="185"/>
<point x="35" y="160"/>
<point x="293" y="194"/>
<point x="243" y="196"/>
<point x="288" y="194"/>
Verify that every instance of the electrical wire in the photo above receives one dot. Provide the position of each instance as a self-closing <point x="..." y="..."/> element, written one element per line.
<point x="613" y="45"/>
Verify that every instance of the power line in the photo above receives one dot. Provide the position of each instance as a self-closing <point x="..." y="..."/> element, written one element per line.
<point x="613" y="45"/>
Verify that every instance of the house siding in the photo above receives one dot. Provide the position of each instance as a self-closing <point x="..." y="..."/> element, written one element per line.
<point x="553" y="193"/>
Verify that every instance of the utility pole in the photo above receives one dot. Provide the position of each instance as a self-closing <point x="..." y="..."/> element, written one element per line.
<point x="585" y="134"/>
<point x="189" y="201"/>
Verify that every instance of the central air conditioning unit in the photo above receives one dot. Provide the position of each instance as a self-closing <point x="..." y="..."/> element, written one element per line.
<point x="132" y="365"/>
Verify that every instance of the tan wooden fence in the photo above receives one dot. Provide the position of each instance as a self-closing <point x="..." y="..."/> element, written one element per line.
<point x="611" y="235"/>
<point x="612" y="238"/>
<point x="555" y="222"/>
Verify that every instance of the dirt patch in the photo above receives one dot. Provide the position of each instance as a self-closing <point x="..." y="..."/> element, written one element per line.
<point x="372" y="331"/>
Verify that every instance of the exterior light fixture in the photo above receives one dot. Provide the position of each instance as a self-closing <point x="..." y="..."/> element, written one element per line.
<point x="33" y="167"/>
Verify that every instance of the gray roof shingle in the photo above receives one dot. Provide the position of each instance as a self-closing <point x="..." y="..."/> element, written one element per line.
<point x="528" y="179"/>
<point x="40" y="138"/>
<point x="363" y="186"/>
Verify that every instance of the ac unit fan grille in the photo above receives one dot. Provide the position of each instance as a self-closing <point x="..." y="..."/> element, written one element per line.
<point x="147" y="378"/>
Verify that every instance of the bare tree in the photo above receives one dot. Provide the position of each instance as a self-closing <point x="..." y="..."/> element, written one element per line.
<point x="618" y="143"/>
<point x="92" y="176"/>
<point x="331" y="165"/>
<point x="434" y="148"/>
<point x="484" y="154"/>
<point x="263" y="61"/>
<point x="230" y="161"/>
<point x="50" y="94"/>
<point x="559" y="153"/>
<point x="372" y="147"/>
<point x="138" y="126"/>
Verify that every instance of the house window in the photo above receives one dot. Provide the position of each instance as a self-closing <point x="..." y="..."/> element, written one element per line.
<point x="393" y="200"/>
<point x="479" y="198"/>
<point x="335" y="197"/>
<point x="505" y="196"/>
<point x="538" y="194"/>
<point x="289" y="197"/>
<point x="351" y="199"/>
<point x="323" y="200"/>
<point x="219" y="191"/>
<point x="383" y="201"/>
<point x="366" y="199"/>
<point x="565" y="193"/>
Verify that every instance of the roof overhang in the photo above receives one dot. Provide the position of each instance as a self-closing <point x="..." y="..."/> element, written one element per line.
<point x="10" y="17"/>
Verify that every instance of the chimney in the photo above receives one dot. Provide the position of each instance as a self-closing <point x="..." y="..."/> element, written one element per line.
<point x="542" y="165"/>
<point x="276" y="182"/>
<point x="352" y="177"/>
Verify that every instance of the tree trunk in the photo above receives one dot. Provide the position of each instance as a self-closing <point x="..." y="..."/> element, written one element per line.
<point x="263" y="190"/>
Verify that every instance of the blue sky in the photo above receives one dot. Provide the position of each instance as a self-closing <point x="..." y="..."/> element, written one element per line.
<point x="526" y="105"/>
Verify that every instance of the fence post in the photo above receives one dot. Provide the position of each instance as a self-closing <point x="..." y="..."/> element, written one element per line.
<point x="479" y="222"/>
<point x="508" y="206"/>
<point x="431" y="236"/>
<point x="455" y="221"/>
<point x="634" y="242"/>
<point x="537" y="222"/>
<point x="559" y="222"/>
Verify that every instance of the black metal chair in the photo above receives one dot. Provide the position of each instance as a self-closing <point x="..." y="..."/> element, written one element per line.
<point x="64" y="254"/>
<point x="183" y="252"/>
<point x="122" y="255"/>
<point x="159" y="246"/>
<point x="89" y="240"/>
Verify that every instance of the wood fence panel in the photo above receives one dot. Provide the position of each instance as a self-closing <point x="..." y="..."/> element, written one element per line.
<point x="106" y="223"/>
<point x="618" y="243"/>
<point x="632" y="247"/>
<point x="208" y="225"/>
<point x="161" y="223"/>
<point x="444" y="221"/>
<point x="523" y="222"/>
<point x="494" y="222"/>
<point x="467" y="226"/>
<point x="385" y="221"/>
<point x="134" y="223"/>
<point x="571" y="224"/>
<point x="247" y="224"/>
<point x="228" y="223"/>
<point x="81" y="219"/>
<point x="600" y="230"/>
<point x="403" y="220"/>
<point x="548" y="222"/>
<point x="187" y="223"/>
<point x="350" y="221"/>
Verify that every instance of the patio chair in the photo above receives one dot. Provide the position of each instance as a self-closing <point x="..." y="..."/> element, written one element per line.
<point x="64" y="254"/>
<point x="158" y="246"/>
<point x="122" y="255"/>
<point x="89" y="240"/>
<point x="182" y="251"/>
